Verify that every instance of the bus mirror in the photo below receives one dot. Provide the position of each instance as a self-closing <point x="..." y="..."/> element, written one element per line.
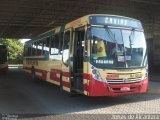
<point x="66" y="57"/>
<point x="67" y="63"/>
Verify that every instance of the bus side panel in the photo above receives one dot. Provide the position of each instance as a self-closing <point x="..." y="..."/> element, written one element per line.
<point x="26" y="66"/>
<point x="86" y="79"/>
<point x="40" y="67"/>
<point x="66" y="80"/>
<point x="54" y="73"/>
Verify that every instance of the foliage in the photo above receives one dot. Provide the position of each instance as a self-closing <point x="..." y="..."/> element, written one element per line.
<point x="15" y="50"/>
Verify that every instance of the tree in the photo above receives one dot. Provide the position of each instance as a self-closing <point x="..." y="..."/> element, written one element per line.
<point x="15" y="50"/>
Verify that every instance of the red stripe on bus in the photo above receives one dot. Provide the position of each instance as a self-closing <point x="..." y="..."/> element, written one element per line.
<point x="86" y="87"/>
<point x="53" y="76"/>
<point x="66" y="74"/>
<point x="56" y="71"/>
<point x="87" y="76"/>
<point x="43" y="72"/>
<point x="66" y="84"/>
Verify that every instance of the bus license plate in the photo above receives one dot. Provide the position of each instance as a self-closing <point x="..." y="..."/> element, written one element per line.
<point x="125" y="89"/>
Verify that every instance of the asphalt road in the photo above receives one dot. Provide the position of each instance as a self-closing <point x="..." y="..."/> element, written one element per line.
<point x="20" y="95"/>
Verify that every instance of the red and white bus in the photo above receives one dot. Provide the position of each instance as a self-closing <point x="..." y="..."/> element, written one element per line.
<point x="96" y="55"/>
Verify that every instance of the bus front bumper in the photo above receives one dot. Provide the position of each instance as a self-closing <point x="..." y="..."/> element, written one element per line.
<point x="98" y="88"/>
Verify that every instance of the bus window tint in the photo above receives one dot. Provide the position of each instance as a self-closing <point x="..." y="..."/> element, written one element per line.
<point x="39" y="47"/>
<point x="29" y="52"/>
<point x="46" y="47"/>
<point x="66" y="47"/>
<point x="25" y="50"/>
<point x="34" y="46"/>
<point x="54" y="45"/>
<point x="60" y="43"/>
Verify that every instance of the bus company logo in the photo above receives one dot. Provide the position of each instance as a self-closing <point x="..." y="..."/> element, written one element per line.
<point x="125" y="80"/>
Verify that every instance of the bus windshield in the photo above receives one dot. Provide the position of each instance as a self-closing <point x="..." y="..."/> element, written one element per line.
<point x="118" y="48"/>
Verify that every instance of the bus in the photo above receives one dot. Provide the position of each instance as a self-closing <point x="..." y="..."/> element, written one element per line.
<point x="3" y="59"/>
<point x="95" y="55"/>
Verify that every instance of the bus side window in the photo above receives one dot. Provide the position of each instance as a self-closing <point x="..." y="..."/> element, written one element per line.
<point x="29" y="50"/>
<point x="87" y="38"/>
<point x="54" y="45"/>
<point x="39" y="47"/>
<point x="33" y="47"/>
<point x="66" y="43"/>
<point x="25" y="48"/>
<point x="46" y="47"/>
<point x="60" y="42"/>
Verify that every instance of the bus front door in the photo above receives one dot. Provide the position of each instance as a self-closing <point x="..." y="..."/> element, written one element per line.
<point x="78" y="54"/>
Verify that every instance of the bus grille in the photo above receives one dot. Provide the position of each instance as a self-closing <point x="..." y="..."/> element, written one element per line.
<point x="116" y="81"/>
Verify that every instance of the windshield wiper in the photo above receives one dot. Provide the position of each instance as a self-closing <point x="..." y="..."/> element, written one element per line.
<point x="119" y="50"/>
<point x="111" y="35"/>
<point x="131" y="38"/>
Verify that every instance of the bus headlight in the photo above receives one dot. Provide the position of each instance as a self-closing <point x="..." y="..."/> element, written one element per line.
<point x="96" y="75"/>
<point x="145" y="76"/>
<point x="94" y="71"/>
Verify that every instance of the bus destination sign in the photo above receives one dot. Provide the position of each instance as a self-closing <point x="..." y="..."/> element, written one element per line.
<point x="115" y="21"/>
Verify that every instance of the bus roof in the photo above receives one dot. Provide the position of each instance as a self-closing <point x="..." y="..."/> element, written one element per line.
<point x="47" y="34"/>
<point x="112" y="16"/>
<point x="85" y="19"/>
<point x="78" y="22"/>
